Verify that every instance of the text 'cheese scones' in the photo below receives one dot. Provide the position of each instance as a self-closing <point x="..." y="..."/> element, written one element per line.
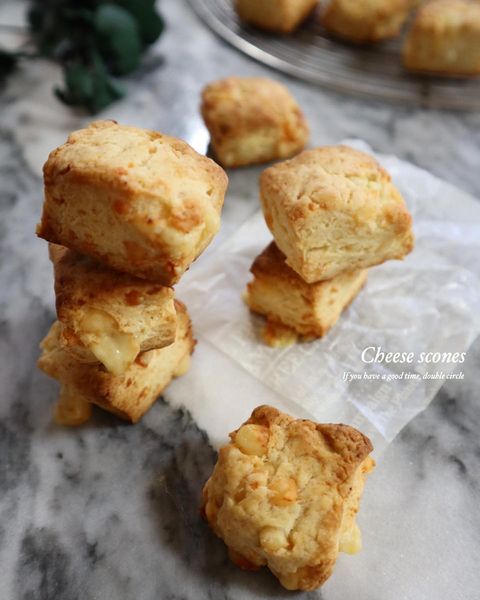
<point x="108" y="316"/>
<point x="309" y="309"/>
<point x="284" y="493"/>
<point x="252" y="120"/>
<point x="136" y="200"/>
<point x="129" y="395"/>
<point x="334" y="209"/>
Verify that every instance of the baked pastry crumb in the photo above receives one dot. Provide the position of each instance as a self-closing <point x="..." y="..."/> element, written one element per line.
<point x="284" y="494"/>
<point x="334" y="209"/>
<point x="108" y="316"/>
<point x="252" y="120"/>
<point x="135" y="200"/>
<point x="292" y="306"/>
<point x="283" y="16"/>
<point x="365" y="21"/>
<point x="445" y="39"/>
<point x="129" y="395"/>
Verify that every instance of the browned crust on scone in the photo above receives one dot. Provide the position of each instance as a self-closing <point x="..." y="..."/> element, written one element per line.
<point x="136" y="184"/>
<point x="375" y="23"/>
<point x="436" y="32"/>
<point x="281" y="494"/>
<point x="352" y="445"/>
<point x="122" y="395"/>
<point x="287" y="24"/>
<point x="238" y="108"/>
<point x="333" y="209"/>
<point x="270" y="266"/>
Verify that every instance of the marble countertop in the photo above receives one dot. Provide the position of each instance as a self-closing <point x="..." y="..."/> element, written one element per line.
<point x="110" y="511"/>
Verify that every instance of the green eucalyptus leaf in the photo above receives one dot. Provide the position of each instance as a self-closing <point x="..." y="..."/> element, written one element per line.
<point x="89" y="86"/>
<point x="119" y="38"/>
<point x="8" y="62"/>
<point x="149" y="22"/>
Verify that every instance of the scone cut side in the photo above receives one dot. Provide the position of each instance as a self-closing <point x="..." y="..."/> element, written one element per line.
<point x="287" y="301"/>
<point x="130" y="395"/>
<point x="252" y="120"/>
<point x="282" y="16"/>
<point x="444" y="39"/>
<point x="365" y="21"/>
<point x="138" y="201"/>
<point x="334" y="209"/>
<point x="284" y="494"/>
<point x="108" y="316"/>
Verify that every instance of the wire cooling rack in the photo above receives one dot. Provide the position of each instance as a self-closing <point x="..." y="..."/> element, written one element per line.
<point x="309" y="54"/>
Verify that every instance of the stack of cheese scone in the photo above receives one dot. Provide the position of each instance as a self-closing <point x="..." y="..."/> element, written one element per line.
<point x="333" y="212"/>
<point x="126" y="212"/>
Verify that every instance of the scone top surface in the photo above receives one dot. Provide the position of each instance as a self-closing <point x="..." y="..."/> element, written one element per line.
<point x="139" y="201"/>
<point x="281" y="491"/>
<point x="252" y="120"/>
<point x="333" y="209"/>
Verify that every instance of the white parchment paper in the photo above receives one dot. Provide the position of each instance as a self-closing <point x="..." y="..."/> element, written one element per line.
<point x="428" y="303"/>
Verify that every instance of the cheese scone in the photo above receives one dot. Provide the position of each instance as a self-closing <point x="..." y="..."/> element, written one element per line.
<point x="309" y="309"/>
<point x="445" y="39"/>
<point x="136" y="200"/>
<point x="284" y="493"/>
<point x="108" y="316"/>
<point x="283" y="16"/>
<point x="365" y="21"/>
<point x="334" y="209"/>
<point x="128" y="396"/>
<point x="252" y="120"/>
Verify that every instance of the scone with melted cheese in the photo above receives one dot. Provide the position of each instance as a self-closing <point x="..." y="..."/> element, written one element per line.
<point x="135" y="200"/>
<point x="445" y="39"/>
<point x="283" y="16"/>
<point x="365" y="21"/>
<point x="284" y="493"/>
<point x="252" y="120"/>
<point x="108" y="316"/>
<point x="334" y="209"/>
<point x="129" y="395"/>
<point x="308" y="309"/>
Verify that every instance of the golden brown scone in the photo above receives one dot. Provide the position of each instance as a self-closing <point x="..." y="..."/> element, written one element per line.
<point x="445" y="39"/>
<point x="130" y="395"/>
<point x="284" y="493"/>
<point x="365" y="21"/>
<point x="283" y="16"/>
<point x="334" y="209"/>
<point x="252" y="120"/>
<point x="136" y="200"/>
<point x="310" y="309"/>
<point x="108" y="316"/>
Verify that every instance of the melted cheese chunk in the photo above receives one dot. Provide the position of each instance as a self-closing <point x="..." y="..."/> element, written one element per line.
<point x="351" y="540"/>
<point x="112" y="347"/>
<point x="72" y="409"/>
